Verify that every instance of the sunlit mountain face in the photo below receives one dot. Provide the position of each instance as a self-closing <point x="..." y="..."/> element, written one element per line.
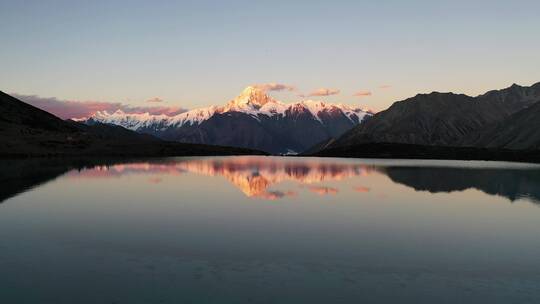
<point x="251" y="120"/>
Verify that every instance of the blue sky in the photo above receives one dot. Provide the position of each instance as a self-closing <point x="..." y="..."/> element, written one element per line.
<point x="197" y="53"/>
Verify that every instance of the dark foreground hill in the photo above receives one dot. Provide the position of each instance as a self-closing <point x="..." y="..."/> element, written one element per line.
<point x="517" y="132"/>
<point x="502" y="125"/>
<point x="28" y="131"/>
<point x="440" y="119"/>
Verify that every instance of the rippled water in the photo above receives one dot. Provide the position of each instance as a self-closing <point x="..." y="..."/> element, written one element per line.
<point x="269" y="230"/>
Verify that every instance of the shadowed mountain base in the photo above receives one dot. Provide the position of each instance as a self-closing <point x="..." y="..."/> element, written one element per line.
<point x="408" y="151"/>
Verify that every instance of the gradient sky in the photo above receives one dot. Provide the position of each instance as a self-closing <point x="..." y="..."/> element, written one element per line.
<point x="197" y="53"/>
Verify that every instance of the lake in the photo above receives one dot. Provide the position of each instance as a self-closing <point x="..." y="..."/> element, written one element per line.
<point x="269" y="230"/>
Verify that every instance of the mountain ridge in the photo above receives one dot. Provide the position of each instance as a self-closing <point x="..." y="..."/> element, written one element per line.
<point x="27" y="131"/>
<point x="440" y="119"/>
<point x="265" y="123"/>
<point x="498" y="125"/>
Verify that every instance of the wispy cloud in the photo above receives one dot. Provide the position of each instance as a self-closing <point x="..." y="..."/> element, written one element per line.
<point x="274" y="87"/>
<point x="385" y="86"/>
<point x="324" y="92"/>
<point x="154" y="100"/>
<point x="362" y="94"/>
<point x="67" y="109"/>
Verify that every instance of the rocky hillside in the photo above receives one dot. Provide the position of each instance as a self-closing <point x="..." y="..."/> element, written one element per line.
<point x="519" y="131"/>
<point x="442" y="119"/>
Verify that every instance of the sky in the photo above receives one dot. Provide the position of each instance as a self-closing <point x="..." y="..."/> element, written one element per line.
<point x="185" y="54"/>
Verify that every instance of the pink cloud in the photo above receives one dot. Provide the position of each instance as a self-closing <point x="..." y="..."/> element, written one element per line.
<point x="155" y="100"/>
<point x="67" y="109"/>
<point x="274" y="87"/>
<point x="385" y="86"/>
<point x="324" y="92"/>
<point x="362" y="93"/>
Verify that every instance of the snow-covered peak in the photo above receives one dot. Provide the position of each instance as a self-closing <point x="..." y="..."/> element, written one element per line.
<point x="133" y="121"/>
<point x="315" y="106"/>
<point x="273" y="108"/>
<point x="318" y="107"/>
<point x="119" y="114"/>
<point x="251" y="99"/>
<point x="194" y="117"/>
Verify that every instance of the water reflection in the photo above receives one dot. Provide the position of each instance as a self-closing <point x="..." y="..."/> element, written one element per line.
<point x="512" y="184"/>
<point x="180" y="230"/>
<point x="256" y="177"/>
<point x="20" y="175"/>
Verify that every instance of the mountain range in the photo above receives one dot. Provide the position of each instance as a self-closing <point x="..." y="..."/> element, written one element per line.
<point x="498" y="125"/>
<point x="251" y="120"/>
<point x="28" y="131"/>
<point x="504" y="120"/>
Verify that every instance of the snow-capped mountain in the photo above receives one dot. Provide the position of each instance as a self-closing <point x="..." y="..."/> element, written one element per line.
<point x="252" y="119"/>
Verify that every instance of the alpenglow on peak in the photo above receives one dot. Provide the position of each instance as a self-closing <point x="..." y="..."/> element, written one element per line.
<point x="252" y="119"/>
<point x="251" y="97"/>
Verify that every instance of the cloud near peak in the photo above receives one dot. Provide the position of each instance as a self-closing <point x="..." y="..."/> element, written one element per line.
<point x="275" y="87"/>
<point x="324" y="92"/>
<point x="154" y="100"/>
<point x="67" y="109"/>
<point x="362" y="93"/>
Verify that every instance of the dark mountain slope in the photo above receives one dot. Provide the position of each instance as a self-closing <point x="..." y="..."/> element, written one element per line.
<point x="408" y="151"/>
<point x="440" y="119"/>
<point x="14" y="112"/>
<point x="519" y="131"/>
<point x="297" y="130"/>
<point x="29" y="131"/>
<point x="231" y="129"/>
<point x="435" y="118"/>
<point x="514" y="96"/>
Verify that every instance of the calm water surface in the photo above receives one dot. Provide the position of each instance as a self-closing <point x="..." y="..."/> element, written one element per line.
<point x="269" y="230"/>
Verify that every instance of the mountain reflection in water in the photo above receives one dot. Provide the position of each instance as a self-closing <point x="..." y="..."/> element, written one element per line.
<point x="256" y="176"/>
<point x="259" y="229"/>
